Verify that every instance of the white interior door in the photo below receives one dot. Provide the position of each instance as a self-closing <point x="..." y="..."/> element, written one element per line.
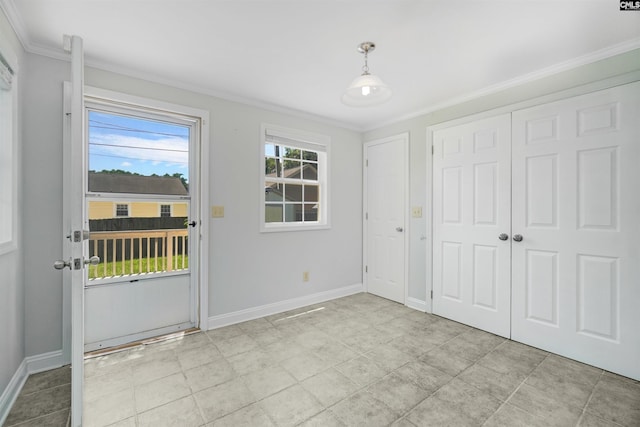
<point x="385" y="210"/>
<point x="471" y="224"/>
<point x="576" y="204"/>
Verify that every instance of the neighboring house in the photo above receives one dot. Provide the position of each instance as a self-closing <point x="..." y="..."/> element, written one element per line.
<point x="293" y="202"/>
<point x="113" y="183"/>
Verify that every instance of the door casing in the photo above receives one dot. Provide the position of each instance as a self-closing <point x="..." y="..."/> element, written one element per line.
<point x="202" y="308"/>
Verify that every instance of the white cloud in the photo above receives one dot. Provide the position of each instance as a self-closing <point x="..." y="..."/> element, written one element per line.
<point x="126" y="164"/>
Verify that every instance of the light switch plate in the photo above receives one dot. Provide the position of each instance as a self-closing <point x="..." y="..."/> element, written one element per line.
<point x="217" y="211"/>
<point x="416" y="211"/>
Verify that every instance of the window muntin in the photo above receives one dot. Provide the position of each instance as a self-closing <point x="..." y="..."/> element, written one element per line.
<point x="165" y="211"/>
<point x="122" y="209"/>
<point x="294" y="180"/>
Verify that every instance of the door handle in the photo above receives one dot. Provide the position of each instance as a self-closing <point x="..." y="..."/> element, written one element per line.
<point x="503" y="236"/>
<point x="192" y="223"/>
<point x="94" y="260"/>
<point x="61" y="264"/>
<point x="399" y="229"/>
<point x="517" y="237"/>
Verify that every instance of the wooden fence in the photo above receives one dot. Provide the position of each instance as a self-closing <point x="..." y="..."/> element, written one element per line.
<point x="138" y="251"/>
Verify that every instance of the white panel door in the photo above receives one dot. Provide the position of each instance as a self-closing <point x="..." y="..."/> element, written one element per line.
<point x="471" y="199"/>
<point x="576" y="204"/>
<point x="385" y="212"/>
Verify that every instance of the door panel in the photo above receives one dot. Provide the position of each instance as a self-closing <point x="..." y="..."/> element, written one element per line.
<point x="471" y="266"/>
<point x="385" y="175"/>
<point x="576" y="275"/>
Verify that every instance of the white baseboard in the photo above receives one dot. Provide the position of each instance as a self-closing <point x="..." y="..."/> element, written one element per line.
<point x="417" y="304"/>
<point x="30" y="365"/>
<point x="11" y="392"/>
<point x="278" y="307"/>
<point x="44" y="362"/>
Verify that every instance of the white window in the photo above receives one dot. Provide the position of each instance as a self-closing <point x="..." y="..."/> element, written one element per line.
<point x="294" y="182"/>
<point x="122" y="209"/>
<point x="165" y="211"/>
<point x="8" y="155"/>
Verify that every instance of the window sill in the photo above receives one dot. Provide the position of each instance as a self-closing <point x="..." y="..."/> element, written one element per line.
<point x="279" y="228"/>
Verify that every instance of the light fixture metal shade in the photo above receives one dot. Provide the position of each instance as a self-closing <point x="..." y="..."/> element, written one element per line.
<point x="366" y="90"/>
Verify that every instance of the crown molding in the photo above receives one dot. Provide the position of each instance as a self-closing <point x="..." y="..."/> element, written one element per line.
<point x="10" y="11"/>
<point x="8" y="6"/>
<point x="570" y="64"/>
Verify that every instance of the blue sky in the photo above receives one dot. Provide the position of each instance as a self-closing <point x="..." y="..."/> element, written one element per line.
<point x="137" y="145"/>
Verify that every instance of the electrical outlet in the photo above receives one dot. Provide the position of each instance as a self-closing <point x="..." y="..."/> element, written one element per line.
<point x="305" y="276"/>
<point x="217" y="211"/>
<point x="416" y="211"/>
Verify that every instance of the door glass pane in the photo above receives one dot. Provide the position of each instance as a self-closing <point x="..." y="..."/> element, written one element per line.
<point x="138" y="201"/>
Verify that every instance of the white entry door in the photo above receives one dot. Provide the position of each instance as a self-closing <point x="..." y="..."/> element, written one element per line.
<point x="385" y="217"/>
<point x="142" y="201"/>
<point x="75" y="242"/>
<point x="576" y="209"/>
<point x="471" y="224"/>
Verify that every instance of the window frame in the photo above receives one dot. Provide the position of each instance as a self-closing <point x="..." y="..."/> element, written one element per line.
<point x="170" y="205"/>
<point x="115" y="210"/>
<point x="9" y="161"/>
<point x="306" y="141"/>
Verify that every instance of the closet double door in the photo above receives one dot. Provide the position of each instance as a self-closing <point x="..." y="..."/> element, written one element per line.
<point x="537" y="226"/>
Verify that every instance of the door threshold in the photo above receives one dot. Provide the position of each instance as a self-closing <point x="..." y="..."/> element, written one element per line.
<point x="148" y="341"/>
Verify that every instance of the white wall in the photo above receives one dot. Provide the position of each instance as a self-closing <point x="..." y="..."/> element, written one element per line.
<point x="420" y="154"/>
<point x="12" y="349"/>
<point x="247" y="268"/>
<point x="42" y="215"/>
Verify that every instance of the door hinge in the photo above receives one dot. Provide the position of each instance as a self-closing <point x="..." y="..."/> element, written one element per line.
<point x="367" y="162"/>
<point x="432" y="294"/>
<point x="432" y="149"/>
<point x="366" y="268"/>
<point x="366" y="215"/>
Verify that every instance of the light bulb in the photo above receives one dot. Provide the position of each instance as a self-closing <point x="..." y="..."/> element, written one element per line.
<point x="366" y="90"/>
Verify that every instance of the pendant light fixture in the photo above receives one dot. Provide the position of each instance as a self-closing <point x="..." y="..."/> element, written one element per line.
<point x="368" y="89"/>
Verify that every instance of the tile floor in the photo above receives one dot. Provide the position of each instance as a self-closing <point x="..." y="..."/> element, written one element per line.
<point x="355" y="361"/>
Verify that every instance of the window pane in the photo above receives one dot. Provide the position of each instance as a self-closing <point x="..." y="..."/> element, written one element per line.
<point x="271" y="166"/>
<point x="291" y="169"/>
<point x="129" y="154"/>
<point x="310" y="155"/>
<point x="165" y="211"/>
<point x="293" y="212"/>
<point x="272" y="213"/>
<point x="273" y="191"/>
<point x="269" y="150"/>
<point x="310" y="171"/>
<point x="292" y="153"/>
<point x="310" y="193"/>
<point x="310" y="212"/>
<point x="293" y="193"/>
<point x="122" y="210"/>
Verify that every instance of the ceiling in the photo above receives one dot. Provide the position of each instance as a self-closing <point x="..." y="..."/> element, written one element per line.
<point x="299" y="55"/>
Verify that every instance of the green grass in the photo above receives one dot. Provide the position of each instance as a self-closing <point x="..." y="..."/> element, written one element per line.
<point x="139" y="267"/>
